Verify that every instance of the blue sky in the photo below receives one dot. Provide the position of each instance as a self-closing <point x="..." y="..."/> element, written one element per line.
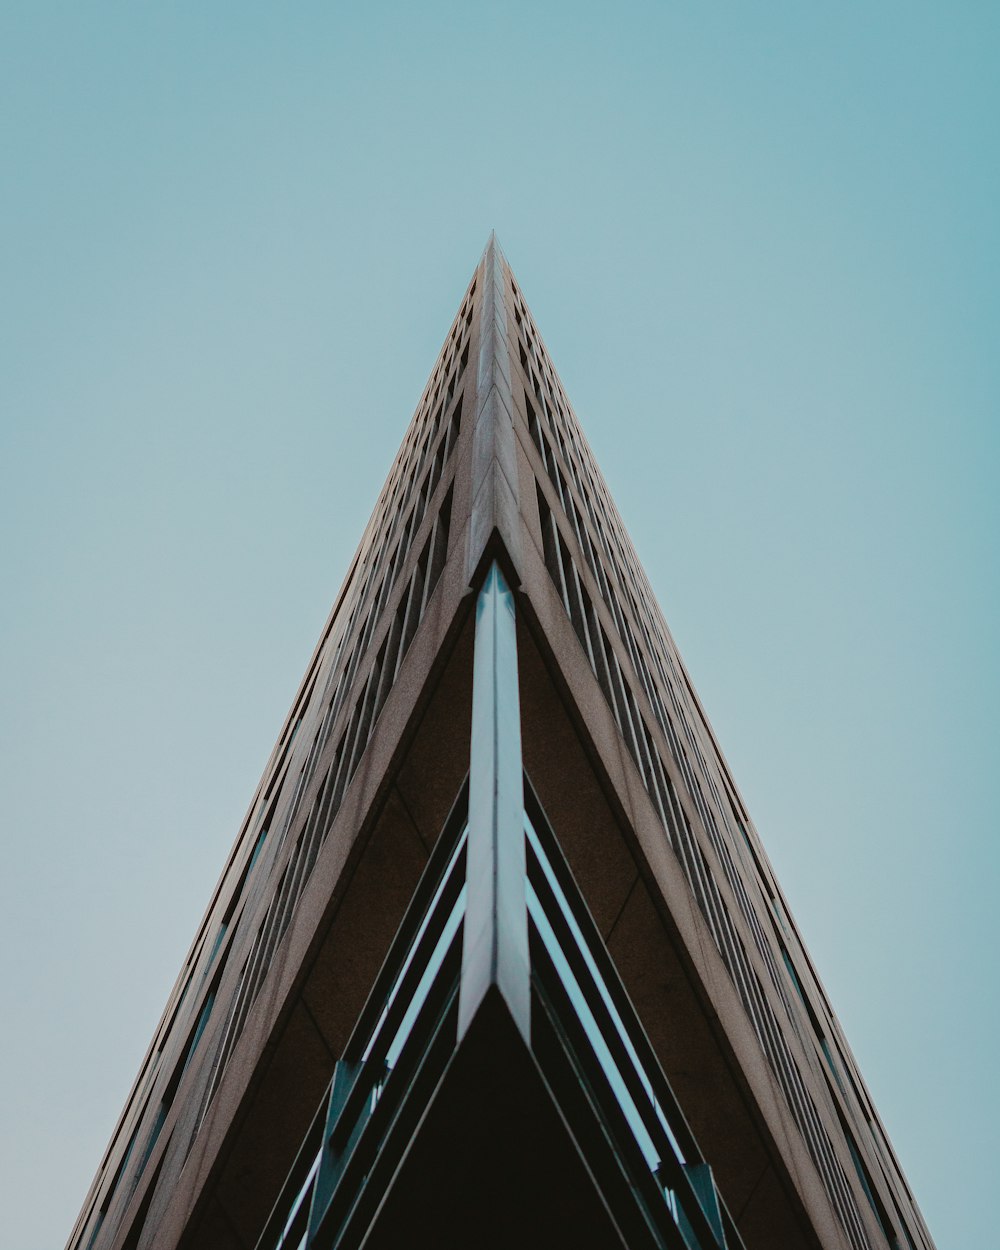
<point x="761" y="243"/>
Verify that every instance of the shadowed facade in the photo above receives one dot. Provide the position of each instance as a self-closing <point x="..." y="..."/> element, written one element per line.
<point x="498" y="957"/>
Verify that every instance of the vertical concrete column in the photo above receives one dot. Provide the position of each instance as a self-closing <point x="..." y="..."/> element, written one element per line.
<point x="495" y="944"/>
<point x="495" y="512"/>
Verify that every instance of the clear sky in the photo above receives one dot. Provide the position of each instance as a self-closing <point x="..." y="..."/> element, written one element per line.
<point x="761" y="243"/>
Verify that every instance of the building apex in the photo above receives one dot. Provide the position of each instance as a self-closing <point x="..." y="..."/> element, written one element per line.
<point x="493" y="247"/>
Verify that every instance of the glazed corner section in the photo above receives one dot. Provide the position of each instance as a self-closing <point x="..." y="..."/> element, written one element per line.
<point x="498" y="1053"/>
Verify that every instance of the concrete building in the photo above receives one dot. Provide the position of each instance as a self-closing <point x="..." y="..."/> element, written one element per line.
<point x="498" y="957"/>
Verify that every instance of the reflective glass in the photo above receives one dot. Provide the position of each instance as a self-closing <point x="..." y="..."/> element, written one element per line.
<point x="594" y="1034"/>
<point x="445" y="877"/>
<point x="598" y="980"/>
<point x="430" y="972"/>
<point x="302" y="1197"/>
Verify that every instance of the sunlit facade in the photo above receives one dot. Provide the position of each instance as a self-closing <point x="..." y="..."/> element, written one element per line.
<point x="498" y="957"/>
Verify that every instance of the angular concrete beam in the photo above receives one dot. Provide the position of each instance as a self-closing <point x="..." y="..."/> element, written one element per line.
<point x="495" y="504"/>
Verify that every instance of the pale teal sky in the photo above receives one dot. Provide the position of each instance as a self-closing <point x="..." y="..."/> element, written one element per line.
<point x="761" y="243"/>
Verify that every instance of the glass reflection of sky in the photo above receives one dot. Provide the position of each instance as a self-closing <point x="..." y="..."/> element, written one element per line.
<point x="395" y="1046"/>
<point x="629" y="1106"/>
<point x="435" y="961"/>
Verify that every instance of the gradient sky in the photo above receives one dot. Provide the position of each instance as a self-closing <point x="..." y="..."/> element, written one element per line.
<point x="761" y="243"/>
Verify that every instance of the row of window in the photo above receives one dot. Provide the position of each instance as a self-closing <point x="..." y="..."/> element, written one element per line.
<point x="425" y="442"/>
<point x="408" y="466"/>
<point x="641" y="746"/>
<point x="373" y="692"/>
<point x="438" y="394"/>
<point x="629" y="574"/>
<point x="635" y="589"/>
<point x="656" y="636"/>
<point x="574" y="455"/>
<point x="346" y="757"/>
<point x="355" y="735"/>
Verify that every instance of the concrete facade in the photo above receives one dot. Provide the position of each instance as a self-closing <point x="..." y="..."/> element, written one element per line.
<point x="494" y="467"/>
